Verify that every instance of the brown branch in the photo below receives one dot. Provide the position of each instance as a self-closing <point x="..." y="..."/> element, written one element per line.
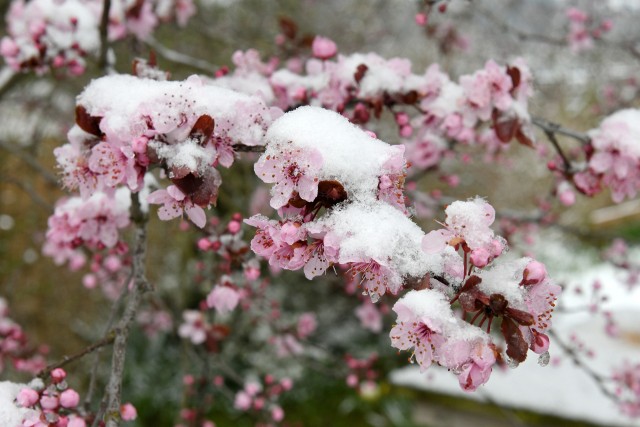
<point x="241" y="148"/>
<point x="179" y="57"/>
<point x="139" y="287"/>
<point x="573" y="355"/>
<point x="108" y="339"/>
<point x="104" y="35"/>
<point x="546" y="125"/>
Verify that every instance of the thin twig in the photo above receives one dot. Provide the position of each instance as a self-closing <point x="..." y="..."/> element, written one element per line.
<point x="249" y="148"/>
<point x="68" y="359"/>
<point x="597" y="378"/>
<point x="179" y="57"/>
<point x="28" y="189"/>
<point x="546" y="125"/>
<point x="96" y="359"/>
<point x="103" y="61"/>
<point x="139" y="287"/>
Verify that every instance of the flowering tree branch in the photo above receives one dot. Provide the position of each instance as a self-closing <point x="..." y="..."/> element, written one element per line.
<point x="140" y="286"/>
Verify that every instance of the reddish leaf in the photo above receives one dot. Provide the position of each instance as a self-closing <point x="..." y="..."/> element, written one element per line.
<point x="331" y="193"/>
<point x="87" y="122"/>
<point x="514" y="73"/>
<point x="203" y="129"/>
<point x="188" y="183"/>
<point x="360" y="72"/>
<point x="505" y="128"/>
<point x="288" y="27"/>
<point x="516" y="344"/>
<point x="522" y="317"/>
<point x="410" y="97"/>
<point x="498" y="303"/>
<point x="523" y="138"/>
<point x="470" y="283"/>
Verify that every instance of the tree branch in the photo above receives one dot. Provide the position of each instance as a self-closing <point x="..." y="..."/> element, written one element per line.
<point x="140" y="286"/>
<point x="104" y="35"/>
<point x="180" y="58"/>
<point x="68" y="359"/>
<point x="30" y="161"/>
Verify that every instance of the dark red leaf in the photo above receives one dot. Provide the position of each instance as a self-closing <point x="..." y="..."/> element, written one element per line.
<point x="514" y="73"/>
<point x="203" y="129"/>
<point x="360" y="72"/>
<point x="523" y="138"/>
<point x="505" y="128"/>
<point x="288" y="27"/>
<point x="522" y="317"/>
<point x="88" y="123"/>
<point x="517" y="346"/>
<point x="498" y="303"/>
<point x="470" y="283"/>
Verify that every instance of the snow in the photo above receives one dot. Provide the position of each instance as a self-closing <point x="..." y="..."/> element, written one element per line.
<point x="381" y="232"/>
<point x="561" y="389"/>
<point x="10" y="414"/>
<point x="350" y="155"/>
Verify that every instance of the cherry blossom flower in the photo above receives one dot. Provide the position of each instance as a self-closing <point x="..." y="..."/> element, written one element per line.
<point x="175" y="203"/>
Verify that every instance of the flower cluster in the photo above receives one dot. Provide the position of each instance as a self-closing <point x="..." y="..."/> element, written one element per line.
<point x="582" y="32"/>
<point x="14" y="347"/>
<point x="488" y="107"/>
<point x="614" y="160"/>
<point x="262" y="400"/>
<point x="627" y="388"/>
<point x="59" y="34"/>
<point x="310" y="158"/>
<point x="53" y="406"/>
<point x="187" y="128"/>
<point x="93" y="223"/>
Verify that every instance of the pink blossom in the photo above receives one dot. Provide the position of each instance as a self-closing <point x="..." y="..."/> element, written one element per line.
<point x="27" y="397"/>
<point x="128" y="412"/>
<point x="306" y="325"/>
<point x="292" y="170"/>
<point x="323" y="48"/>
<point x="242" y="401"/>
<point x="223" y="298"/>
<point x="69" y="398"/>
<point x="369" y="316"/>
<point x="194" y="327"/>
<point x="175" y="203"/>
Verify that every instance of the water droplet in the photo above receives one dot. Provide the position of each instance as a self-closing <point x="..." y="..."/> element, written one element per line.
<point x="543" y="359"/>
<point x="512" y="363"/>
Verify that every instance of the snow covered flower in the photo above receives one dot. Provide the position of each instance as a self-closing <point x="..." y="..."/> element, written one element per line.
<point x="468" y="226"/>
<point x="616" y="156"/>
<point x="292" y="169"/>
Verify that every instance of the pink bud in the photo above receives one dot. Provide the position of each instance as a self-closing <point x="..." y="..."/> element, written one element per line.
<point x="251" y="273"/>
<point x="286" y="383"/>
<point x="606" y="25"/>
<point x="352" y="380"/>
<point x="128" y="412"/>
<point x="258" y="403"/>
<point x="27" y="397"/>
<point x="49" y="402"/>
<point x="58" y="375"/>
<point x="69" y="398"/>
<point x="323" y="48"/>
<point x="540" y="343"/>
<point x="188" y="380"/>
<point x="218" y="381"/>
<point x="480" y="257"/>
<point x="277" y="414"/>
<point x="534" y="273"/>
<point x="421" y="19"/>
<point x="406" y="131"/>
<point x="8" y="47"/>
<point x="234" y="227"/>
<point x="89" y="281"/>
<point x="204" y="244"/>
<point x="76" y="422"/>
